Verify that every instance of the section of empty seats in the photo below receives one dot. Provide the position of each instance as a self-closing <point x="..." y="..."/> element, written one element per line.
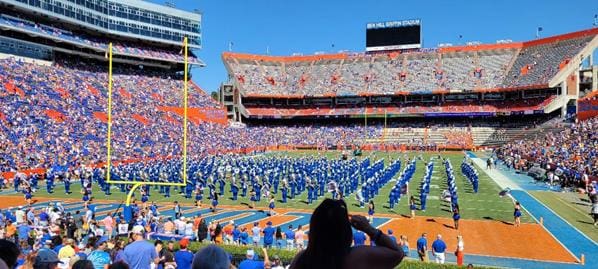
<point x="528" y="64"/>
<point x="537" y="64"/>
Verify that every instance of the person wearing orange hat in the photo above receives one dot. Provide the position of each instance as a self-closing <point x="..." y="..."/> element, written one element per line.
<point x="183" y="257"/>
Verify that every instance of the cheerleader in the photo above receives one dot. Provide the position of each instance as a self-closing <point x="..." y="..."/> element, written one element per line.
<point x="371" y="210"/>
<point x="271" y="206"/>
<point x="412" y="206"/>
<point x="27" y="193"/>
<point x="214" y="202"/>
<point x="517" y="214"/>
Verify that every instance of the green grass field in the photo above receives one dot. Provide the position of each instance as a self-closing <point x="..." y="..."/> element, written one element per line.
<point x="485" y="205"/>
<point x="572" y="208"/>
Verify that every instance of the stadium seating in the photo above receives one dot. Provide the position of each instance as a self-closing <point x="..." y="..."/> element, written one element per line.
<point x="119" y="48"/>
<point x="529" y="64"/>
<point x="570" y="151"/>
<point x="56" y="114"/>
<point x="537" y="64"/>
<point x="412" y="108"/>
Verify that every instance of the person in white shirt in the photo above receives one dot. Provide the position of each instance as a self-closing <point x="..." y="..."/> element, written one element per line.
<point x="88" y="215"/>
<point x="20" y="215"/>
<point x="180" y="225"/>
<point x="189" y="229"/>
<point x="255" y="231"/>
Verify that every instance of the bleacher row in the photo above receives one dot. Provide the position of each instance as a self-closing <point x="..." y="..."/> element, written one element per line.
<point x="403" y="73"/>
<point x="119" y="48"/>
<point x="410" y="108"/>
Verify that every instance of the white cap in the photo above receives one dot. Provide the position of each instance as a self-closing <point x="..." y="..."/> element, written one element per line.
<point x="138" y="229"/>
<point x="250" y="253"/>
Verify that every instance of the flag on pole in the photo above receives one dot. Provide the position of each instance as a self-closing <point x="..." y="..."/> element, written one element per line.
<point x="540" y="29"/>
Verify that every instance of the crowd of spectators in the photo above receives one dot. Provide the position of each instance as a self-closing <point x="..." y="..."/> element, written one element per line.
<point x="55" y="115"/>
<point x="52" y="237"/>
<point x="419" y="72"/>
<point x="97" y="43"/>
<point x="569" y="156"/>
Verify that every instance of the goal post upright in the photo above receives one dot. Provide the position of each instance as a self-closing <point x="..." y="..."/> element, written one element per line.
<point x="137" y="184"/>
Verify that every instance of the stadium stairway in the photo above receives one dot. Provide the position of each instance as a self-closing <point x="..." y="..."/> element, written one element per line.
<point x="570" y="237"/>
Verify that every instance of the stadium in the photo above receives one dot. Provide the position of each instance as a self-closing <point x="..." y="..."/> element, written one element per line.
<point x="114" y="155"/>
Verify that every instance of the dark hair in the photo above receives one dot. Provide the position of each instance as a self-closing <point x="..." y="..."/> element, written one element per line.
<point x="118" y="265"/>
<point x="158" y="242"/>
<point x="330" y="236"/>
<point x="83" y="264"/>
<point x="10" y="252"/>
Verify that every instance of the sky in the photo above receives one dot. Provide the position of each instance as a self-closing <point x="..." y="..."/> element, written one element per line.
<point x="284" y="27"/>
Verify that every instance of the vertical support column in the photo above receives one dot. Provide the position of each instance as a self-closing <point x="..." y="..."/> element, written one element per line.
<point x="594" y="77"/>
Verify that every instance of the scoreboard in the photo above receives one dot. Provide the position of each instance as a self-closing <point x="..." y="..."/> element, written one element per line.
<point x="393" y="35"/>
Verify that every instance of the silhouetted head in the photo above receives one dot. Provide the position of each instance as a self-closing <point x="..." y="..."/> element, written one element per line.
<point x="330" y="236"/>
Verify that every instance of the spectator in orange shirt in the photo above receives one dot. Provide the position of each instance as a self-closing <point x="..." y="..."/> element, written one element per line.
<point x="228" y="233"/>
<point x="196" y="222"/>
<point x="11" y="229"/>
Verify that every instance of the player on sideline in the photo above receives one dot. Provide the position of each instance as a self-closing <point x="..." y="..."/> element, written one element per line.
<point x="271" y="206"/>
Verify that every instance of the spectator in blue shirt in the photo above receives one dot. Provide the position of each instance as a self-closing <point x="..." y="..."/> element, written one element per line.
<point x="99" y="257"/>
<point x="140" y="254"/>
<point x="290" y="236"/>
<point x="251" y="262"/>
<point x="422" y="247"/>
<point x="438" y="247"/>
<point x="236" y="235"/>
<point x="269" y="234"/>
<point x="183" y="257"/>
<point x="358" y="238"/>
<point x="23" y="231"/>
<point x="244" y="236"/>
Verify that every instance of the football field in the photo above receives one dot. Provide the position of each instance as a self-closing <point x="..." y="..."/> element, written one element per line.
<point x="486" y="222"/>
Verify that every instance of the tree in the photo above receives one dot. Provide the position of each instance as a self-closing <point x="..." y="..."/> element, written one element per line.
<point x="216" y="96"/>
